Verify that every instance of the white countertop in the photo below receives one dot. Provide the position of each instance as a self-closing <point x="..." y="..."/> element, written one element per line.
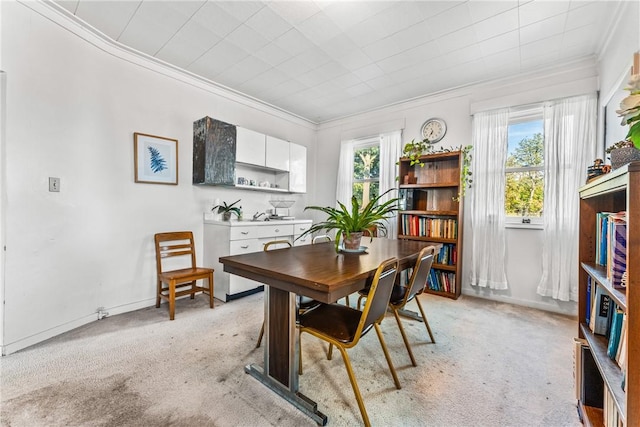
<point x="244" y="222"/>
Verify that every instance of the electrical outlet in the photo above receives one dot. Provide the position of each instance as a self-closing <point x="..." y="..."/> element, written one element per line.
<point x="54" y="184"/>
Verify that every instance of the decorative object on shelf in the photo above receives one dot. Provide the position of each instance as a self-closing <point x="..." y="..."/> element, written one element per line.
<point x="597" y="169"/>
<point x="351" y="224"/>
<point x="226" y="210"/>
<point x="410" y="178"/>
<point x="414" y="149"/>
<point x="433" y="130"/>
<point x="630" y="110"/>
<point x="155" y="159"/>
<point x="622" y="152"/>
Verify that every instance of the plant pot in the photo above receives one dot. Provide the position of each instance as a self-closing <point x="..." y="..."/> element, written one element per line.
<point x="353" y="241"/>
<point x="624" y="155"/>
<point x="226" y="216"/>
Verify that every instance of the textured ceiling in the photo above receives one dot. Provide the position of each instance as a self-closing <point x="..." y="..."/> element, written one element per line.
<point x="323" y="60"/>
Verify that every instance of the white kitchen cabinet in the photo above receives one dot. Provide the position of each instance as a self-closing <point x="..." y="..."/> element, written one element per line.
<point x="277" y="153"/>
<point x="250" y="146"/>
<point x="223" y="238"/>
<point x="297" y="168"/>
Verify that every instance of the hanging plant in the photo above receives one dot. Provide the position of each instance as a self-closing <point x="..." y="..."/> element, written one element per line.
<point x="414" y="149"/>
<point x="465" y="174"/>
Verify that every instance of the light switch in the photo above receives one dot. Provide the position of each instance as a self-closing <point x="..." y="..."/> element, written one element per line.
<point x="54" y="184"/>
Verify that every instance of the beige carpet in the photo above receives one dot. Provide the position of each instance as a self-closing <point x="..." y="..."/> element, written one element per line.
<point x="493" y="365"/>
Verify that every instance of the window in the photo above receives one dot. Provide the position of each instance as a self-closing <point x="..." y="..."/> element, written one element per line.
<point x="524" y="189"/>
<point x="366" y="170"/>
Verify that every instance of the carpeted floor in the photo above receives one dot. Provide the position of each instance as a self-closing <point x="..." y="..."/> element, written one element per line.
<point x="493" y="364"/>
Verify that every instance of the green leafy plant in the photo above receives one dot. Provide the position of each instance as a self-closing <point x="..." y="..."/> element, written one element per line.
<point x="465" y="174"/>
<point x="630" y="110"/>
<point x="359" y="219"/>
<point x="228" y="209"/>
<point x="414" y="149"/>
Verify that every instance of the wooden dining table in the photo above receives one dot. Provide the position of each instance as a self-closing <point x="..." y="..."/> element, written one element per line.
<point x="315" y="271"/>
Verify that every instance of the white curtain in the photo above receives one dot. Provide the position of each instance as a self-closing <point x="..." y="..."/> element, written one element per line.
<point x="389" y="154"/>
<point x="344" y="188"/>
<point x="487" y="199"/>
<point x="569" y="147"/>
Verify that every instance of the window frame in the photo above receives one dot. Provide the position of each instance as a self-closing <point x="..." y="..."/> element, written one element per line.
<point x="519" y="115"/>
<point x="359" y="145"/>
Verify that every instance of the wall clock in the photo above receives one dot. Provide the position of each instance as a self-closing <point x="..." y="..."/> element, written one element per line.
<point x="434" y="130"/>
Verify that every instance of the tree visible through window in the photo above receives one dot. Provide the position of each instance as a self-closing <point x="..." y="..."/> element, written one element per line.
<point x="524" y="196"/>
<point x="366" y="172"/>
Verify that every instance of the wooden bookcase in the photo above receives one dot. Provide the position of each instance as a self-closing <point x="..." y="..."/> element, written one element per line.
<point x="430" y="211"/>
<point x="614" y="192"/>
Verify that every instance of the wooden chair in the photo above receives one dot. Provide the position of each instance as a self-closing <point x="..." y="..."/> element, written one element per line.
<point x="401" y="295"/>
<point x="343" y="326"/>
<point x="182" y="281"/>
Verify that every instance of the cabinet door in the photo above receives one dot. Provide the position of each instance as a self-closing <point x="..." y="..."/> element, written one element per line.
<point x="250" y="146"/>
<point x="277" y="153"/>
<point x="297" y="168"/>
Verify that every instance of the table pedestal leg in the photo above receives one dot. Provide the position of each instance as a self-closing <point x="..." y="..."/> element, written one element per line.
<point x="280" y="372"/>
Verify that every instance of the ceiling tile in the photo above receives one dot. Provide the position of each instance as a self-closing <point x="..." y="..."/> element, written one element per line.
<point x="449" y="21"/>
<point x="268" y="23"/>
<point x="481" y="10"/>
<point x="318" y="28"/>
<point x="353" y="60"/>
<point x="246" y="69"/>
<point x="457" y="40"/>
<point x="338" y="46"/>
<point x="542" y="29"/>
<point x="247" y="38"/>
<point x="218" y="58"/>
<point x="154" y="23"/>
<point x="217" y="20"/>
<point x="502" y="42"/>
<point x="314" y="57"/>
<point x="294" y="67"/>
<point x="460" y="56"/>
<point x="109" y="17"/>
<point x="294" y="12"/>
<point x="538" y="10"/>
<point x="368" y="72"/>
<point x="241" y="10"/>
<point x="541" y="47"/>
<point x="589" y="13"/>
<point x="496" y="25"/>
<point x="405" y="39"/>
<point x="272" y="54"/>
<point x="188" y="44"/>
<point x="293" y="42"/>
<point x="429" y="9"/>
<point x="346" y="14"/>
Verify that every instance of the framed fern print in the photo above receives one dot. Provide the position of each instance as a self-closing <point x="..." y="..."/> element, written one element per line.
<point x="155" y="159"/>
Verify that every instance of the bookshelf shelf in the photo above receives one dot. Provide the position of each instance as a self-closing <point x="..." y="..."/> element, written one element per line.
<point x="434" y="213"/>
<point x="614" y="192"/>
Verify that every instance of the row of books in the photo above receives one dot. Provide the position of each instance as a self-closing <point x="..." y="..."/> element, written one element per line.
<point x="448" y="255"/>
<point x="611" y="245"/>
<point x="610" y="414"/>
<point x="417" y="225"/>
<point x="604" y="317"/>
<point x="441" y="280"/>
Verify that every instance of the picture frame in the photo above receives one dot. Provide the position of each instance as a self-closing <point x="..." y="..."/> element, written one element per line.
<point x="155" y="159"/>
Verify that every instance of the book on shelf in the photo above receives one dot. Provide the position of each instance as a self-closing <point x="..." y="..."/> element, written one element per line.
<point x="441" y="280"/>
<point x="426" y="226"/>
<point x="621" y="353"/>
<point x="616" y="248"/>
<point x="588" y="301"/>
<point x="615" y="331"/>
<point x="600" y="312"/>
<point x="602" y="221"/>
<point x="610" y="414"/>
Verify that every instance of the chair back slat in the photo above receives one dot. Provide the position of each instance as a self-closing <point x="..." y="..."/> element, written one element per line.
<point x="420" y="273"/>
<point x="276" y="244"/>
<point x="172" y="244"/>
<point x="379" y="295"/>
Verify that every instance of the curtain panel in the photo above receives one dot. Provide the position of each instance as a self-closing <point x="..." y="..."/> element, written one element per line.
<point x="487" y="199"/>
<point x="570" y="145"/>
<point x="389" y="154"/>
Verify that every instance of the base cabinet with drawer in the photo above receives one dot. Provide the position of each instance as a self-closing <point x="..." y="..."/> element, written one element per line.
<point x="224" y="238"/>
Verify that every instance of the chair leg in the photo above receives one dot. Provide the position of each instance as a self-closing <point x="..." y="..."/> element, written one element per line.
<point x="260" y="336"/>
<point x="404" y="336"/>
<point x="300" y="353"/>
<point x="330" y="352"/>
<point x="211" y="290"/>
<point x="158" y="293"/>
<point x="172" y="299"/>
<point x="346" y="300"/>
<point x="424" y="319"/>
<point x="354" y="385"/>
<point x="360" y="301"/>
<point x="193" y="289"/>
<point x="386" y="355"/>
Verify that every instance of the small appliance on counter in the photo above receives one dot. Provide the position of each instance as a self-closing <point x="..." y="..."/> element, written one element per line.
<point x="280" y="209"/>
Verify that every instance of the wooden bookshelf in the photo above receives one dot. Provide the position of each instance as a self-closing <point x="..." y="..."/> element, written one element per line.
<point x="614" y="192"/>
<point x="432" y="205"/>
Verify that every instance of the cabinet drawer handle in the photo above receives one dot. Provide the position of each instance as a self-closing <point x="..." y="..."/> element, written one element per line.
<point x="244" y="232"/>
<point x="277" y="230"/>
<point x="244" y="247"/>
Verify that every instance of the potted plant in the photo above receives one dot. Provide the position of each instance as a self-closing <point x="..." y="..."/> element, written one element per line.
<point x="351" y="224"/>
<point x="626" y="151"/>
<point x="414" y="149"/>
<point x="226" y="210"/>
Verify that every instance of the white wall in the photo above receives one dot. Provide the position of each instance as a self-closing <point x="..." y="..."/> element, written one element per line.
<point x="524" y="246"/>
<point x="72" y="106"/>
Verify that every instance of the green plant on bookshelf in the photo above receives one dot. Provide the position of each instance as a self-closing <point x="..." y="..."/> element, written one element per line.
<point x="630" y="110"/>
<point x="465" y="173"/>
<point x="414" y="149"/>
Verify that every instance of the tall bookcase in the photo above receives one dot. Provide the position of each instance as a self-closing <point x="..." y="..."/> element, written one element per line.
<point x="614" y="192"/>
<point x="431" y="210"/>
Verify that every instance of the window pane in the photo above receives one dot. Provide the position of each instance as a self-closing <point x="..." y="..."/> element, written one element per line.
<point x="526" y="144"/>
<point x="370" y="190"/>
<point x="366" y="162"/>
<point x="525" y="193"/>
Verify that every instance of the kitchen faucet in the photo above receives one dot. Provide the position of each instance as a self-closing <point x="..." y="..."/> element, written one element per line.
<point x="257" y="215"/>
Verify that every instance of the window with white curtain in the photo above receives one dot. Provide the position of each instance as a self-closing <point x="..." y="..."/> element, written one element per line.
<point x="524" y="168"/>
<point x="366" y="170"/>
